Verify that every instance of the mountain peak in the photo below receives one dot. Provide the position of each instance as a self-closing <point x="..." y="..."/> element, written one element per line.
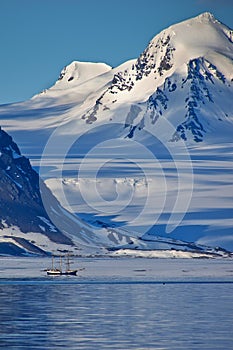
<point x="82" y="71"/>
<point x="170" y="52"/>
<point x="207" y="16"/>
<point x="75" y="74"/>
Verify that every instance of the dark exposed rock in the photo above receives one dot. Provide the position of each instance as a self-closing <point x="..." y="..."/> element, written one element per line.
<point x="63" y="72"/>
<point x="143" y="67"/>
<point x="199" y="71"/>
<point x="157" y="103"/>
<point x="20" y="198"/>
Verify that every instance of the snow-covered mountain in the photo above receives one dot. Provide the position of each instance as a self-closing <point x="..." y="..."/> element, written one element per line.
<point x="185" y="75"/>
<point x="150" y="140"/>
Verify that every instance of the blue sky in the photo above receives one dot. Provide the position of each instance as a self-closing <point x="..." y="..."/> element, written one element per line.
<point x="40" y="37"/>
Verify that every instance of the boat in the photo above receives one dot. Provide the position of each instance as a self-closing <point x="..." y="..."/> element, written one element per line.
<point x="53" y="271"/>
<point x="68" y="270"/>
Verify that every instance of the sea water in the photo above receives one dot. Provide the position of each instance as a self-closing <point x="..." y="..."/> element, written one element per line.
<point x="117" y="304"/>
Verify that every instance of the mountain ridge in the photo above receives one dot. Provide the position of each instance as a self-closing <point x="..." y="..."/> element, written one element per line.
<point x="21" y="206"/>
<point x="158" y="63"/>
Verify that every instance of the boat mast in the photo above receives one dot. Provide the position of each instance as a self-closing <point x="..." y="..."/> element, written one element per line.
<point x="68" y="262"/>
<point x="60" y="263"/>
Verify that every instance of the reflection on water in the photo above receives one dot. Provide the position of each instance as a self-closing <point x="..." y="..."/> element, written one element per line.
<point x="116" y="316"/>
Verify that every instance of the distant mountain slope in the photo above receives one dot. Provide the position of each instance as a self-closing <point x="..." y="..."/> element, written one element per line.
<point x="175" y="100"/>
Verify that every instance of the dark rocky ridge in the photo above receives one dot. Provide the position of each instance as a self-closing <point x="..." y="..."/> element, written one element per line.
<point x="20" y="198"/>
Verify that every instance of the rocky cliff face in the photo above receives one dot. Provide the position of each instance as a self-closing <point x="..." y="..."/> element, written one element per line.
<point x="21" y="205"/>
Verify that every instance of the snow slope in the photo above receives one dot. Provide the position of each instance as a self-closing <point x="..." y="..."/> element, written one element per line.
<point x="146" y="146"/>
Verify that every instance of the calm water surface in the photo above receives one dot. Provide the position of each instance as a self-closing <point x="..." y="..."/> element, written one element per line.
<point x="116" y="316"/>
<point x="123" y="315"/>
